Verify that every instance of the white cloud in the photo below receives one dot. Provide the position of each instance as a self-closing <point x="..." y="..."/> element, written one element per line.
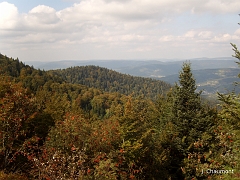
<point x="127" y="25"/>
<point x="40" y="18"/>
<point x="42" y="9"/>
<point x="205" y="34"/>
<point x="36" y="38"/>
<point x="202" y="42"/>
<point x="237" y="32"/>
<point x="167" y="38"/>
<point x="218" y="6"/>
<point x="226" y="38"/>
<point x="190" y="34"/>
<point x="8" y="15"/>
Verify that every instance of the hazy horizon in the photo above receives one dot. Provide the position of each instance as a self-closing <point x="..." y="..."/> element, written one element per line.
<point x="139" y="59"/>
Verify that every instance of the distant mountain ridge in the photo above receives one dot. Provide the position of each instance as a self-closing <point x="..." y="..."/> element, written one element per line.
<point x="212" y="81"/>
<point x="205" y="70"/>
<point x="143" y="68"/>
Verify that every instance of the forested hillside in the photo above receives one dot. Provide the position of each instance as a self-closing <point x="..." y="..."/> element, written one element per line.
<point x="112" y="81"/>
<point x="90" y="76"/>
<point x="93" y="123"/>
<point x="29" y="77"/>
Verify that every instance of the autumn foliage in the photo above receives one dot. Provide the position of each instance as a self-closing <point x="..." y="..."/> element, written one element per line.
<point x="52" y="129"/>
<point x="17" y="110"/>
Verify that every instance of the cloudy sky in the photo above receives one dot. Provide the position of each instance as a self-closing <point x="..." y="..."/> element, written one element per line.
<point x="49" y="30"/>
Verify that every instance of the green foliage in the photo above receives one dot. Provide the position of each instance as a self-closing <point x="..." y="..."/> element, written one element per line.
<point x="112" y="81"/>
<point x="9" y="66"/>
<point x="187" y="104"/>
<point x="141" y="140"/>
<point x="236" y="51"/>
<point x="29" y="77"/>
<point x="230" y="116"/>
<point x="194" y="125"/>
<point x="187" y="109"/>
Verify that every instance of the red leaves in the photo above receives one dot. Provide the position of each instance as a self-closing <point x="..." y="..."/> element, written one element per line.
<point x="91" y="147"/>
<point x="17" y="105"/>
<point x="73" y="148"/>
<point x="121" y="150"/>
<point x="88" y="171"/>
<point x="96" y="160"/>
<point x="131" y="176"/>
<point x="30" y="158"/>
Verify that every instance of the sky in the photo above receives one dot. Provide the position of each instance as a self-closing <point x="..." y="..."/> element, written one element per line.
<point x="53" y="30"/>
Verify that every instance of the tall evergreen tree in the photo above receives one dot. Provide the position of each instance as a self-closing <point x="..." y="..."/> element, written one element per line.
<point x="187" y="106"/>
<point x="190" y="122"/>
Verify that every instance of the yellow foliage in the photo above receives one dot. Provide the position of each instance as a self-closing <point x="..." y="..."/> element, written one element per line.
<point x="11" y="176"/>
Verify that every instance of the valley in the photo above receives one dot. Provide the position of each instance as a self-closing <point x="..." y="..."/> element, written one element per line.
<point x="212" y="74"/>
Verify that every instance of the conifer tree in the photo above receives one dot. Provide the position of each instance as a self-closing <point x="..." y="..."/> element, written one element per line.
<point x="188" y="119"/>
<point x="187" y="106"/>
<point x="230" y="116"/>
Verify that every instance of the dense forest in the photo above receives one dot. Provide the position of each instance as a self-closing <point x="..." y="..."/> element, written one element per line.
<point x="94" y="123"/>
<point x="112" y="81"/>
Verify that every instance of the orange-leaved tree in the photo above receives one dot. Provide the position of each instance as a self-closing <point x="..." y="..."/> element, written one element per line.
<point x="77" y="148"/>
<point x="17" y="108"/>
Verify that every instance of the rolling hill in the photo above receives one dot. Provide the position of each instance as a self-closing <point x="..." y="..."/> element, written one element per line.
<point x="143" y="68"/>
<point x="89" y="76"/>
<point x="212" y="81"/>
<point x="112" y="81"/>
<point x="212" y="74"/>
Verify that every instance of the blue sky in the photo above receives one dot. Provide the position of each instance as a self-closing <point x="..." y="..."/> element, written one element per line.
<point x="35" y="30"/>
<point x="25" y="6"/>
